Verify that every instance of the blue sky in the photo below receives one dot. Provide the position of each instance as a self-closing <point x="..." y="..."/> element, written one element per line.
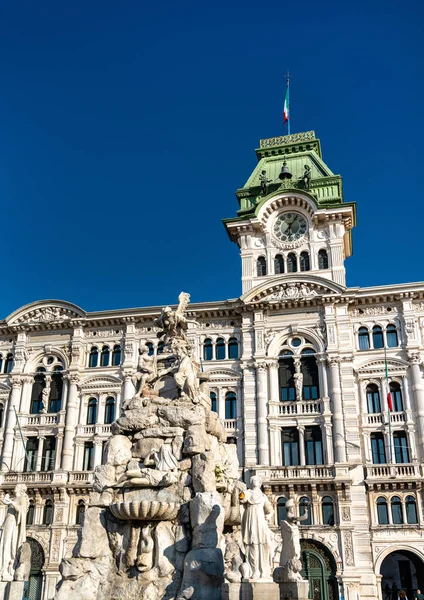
<point x="125" y="129"/>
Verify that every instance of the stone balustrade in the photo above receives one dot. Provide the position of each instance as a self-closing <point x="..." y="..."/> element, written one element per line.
<point x="300" y="472"/>
<point x="97" y="429"/>
<point x="301" y="407"/>
<point x="394" y="471"/>
<point x="42" y="419"/>
<point x="381" y="418"/>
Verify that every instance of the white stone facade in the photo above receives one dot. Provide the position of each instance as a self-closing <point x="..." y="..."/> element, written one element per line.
<point x="285" y="312"/>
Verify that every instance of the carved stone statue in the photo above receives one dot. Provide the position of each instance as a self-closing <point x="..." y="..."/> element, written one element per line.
<point x="14" y="530"/>
<point x="306" y="177"/>
<point x="264" y="183"/>
<point x="147" y="370"/>
<point x="290" y="564"/>
<point x="256" y="534"/>
<point x="298" y="381"/>
<point x="173" y="322"/>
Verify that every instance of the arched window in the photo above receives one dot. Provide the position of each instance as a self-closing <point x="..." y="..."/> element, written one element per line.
<point x="230" y="405"/>
<point x="286" y="376"/>
<point x="220" y="349"/>
<point x="233" y="348"/>
<point x="30" y="513"/>
<point x="322" y="259"/>
<point x="161" y="347"/>
<point x="309" y="370"/>
<point x="116" y="355"/>
<point x="1" y="363"/>
<point x="327" y="510"/>
<point x="278" y="264"/>
<point x="92" y="411"/>
<point x="1" y="414"/>
<point x="373" y="399"/>
<point x="391" y="336"/>
<point x="150" y="347"/>
<point x="396" y="394"/>
<point x="411" y="510"/>
<point x="400" y="443"/>
<point x="304" y="505"/>
<point x="207" y="349"/>
<point x="94" y="357"/>
<point x="291" y="263"/>
<point x="377" y="337"/>
<point x="382" y="511"/>
<point x="8" y="366"/>
<point x="37" y="393"/>
<point x="213" y="401"/>
<point x="281" y="509"/>
<point x="396" y="506"/>
<point x="110" y="410"/>
<point x="48" y="513"/>
<point x="304" y="261"/>
<point x="363" y="338"/>
<point x="80" y="513"/>
<point x="105" y="356"/>
<point x="56" y="388"/>
<point x="261" y="266"/>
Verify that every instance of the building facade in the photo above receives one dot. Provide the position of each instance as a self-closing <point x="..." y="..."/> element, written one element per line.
<point x="297" y="370"/>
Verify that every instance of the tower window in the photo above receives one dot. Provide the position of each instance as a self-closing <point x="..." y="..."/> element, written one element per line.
<point x="291" y="263"/>
<point x="322" y="259"/>
<point x="261" y="266"/>
<point x="278" y="264"/>
<point x="304" y="261"/>
<point x="363" y="338"/>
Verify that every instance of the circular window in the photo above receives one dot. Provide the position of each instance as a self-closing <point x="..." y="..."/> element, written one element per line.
<point x="296" y="342"/>
<point x="50" y="360"/>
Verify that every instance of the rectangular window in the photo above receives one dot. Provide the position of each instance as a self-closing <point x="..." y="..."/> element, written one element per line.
<point x="49" y="454"/>
<point x="290" y="441"/>
<point x="88" y="462"/>
<point x="377" y="448"/>
<point x="400" y="443"/>
<point x="31" y="454"/>
<point x="286" y="380"/>
<point x="313" y="446"/>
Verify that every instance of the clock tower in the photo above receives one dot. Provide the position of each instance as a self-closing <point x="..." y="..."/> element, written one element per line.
<point x="292" y="223"/>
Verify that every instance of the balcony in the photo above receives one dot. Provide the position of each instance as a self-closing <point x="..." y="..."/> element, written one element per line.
<point x="396" y="418"/>
<point x="43" y="477"/>
<point x="297" y="473"/>
<point x="301" y="407"/>
<point x="230" y="425"/>
<point x="47" y="478"/>
<point x="97" y="429"/>
<point x="42" y="419"/>
<point x="81" y="477"/>
<point x="394" y="471"/>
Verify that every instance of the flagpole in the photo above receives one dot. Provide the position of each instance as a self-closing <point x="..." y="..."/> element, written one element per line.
<point x="288" y="96"/>
<point x="388" y="406"/>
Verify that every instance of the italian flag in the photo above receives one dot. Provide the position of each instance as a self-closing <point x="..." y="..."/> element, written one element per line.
<point x="389" y="396"/>
<point x="286" y="111"/>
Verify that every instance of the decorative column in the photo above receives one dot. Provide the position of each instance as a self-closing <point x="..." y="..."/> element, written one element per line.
<point x="14" y="400"/>
<point x="367" y="446"/>
<point x="26" y="394"/>
<point x="301" y="431"/>
<point x="261" y="403"/>
<point x="275" y="433"/>
<point x="98" y="452"/>
<point x="336" y="398"/>
<point x="418" y="391"/>
<point x="70" y="423"/>
<point x="363" y="401"/>
<point x="274" y="395"/>
<point x="40" y="451"/>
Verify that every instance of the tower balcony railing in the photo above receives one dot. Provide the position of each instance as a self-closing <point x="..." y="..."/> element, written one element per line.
<point x="96" y="429"/>
<point x="396" y="418"/>
<point x="394" y="471"/>
<point x="298" y="407"/>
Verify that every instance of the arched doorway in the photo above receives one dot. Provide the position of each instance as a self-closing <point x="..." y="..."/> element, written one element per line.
<point x="34" y="585"/>
<point x="319" y="568"/>
<point x="401" y="570"/>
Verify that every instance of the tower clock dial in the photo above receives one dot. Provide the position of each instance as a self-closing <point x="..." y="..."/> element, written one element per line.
<point x="290" y="227"/>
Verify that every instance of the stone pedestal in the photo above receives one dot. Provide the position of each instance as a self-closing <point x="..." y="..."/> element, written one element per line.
<point x="16" y="590"/>
<point x="298" y="590"/>
<point x="256" y="589"/>
<point x="3" y="590"/>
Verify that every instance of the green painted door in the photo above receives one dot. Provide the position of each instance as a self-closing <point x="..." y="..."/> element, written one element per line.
<point x="319" y="570"/>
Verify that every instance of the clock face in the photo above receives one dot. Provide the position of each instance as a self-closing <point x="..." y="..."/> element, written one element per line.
<point x="290" y="227"/>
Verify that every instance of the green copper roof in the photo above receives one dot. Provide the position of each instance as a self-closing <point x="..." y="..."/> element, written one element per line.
<point x="298" y="150"/>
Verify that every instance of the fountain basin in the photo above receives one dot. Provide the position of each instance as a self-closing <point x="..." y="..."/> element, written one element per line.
<point x="146" y="510"/>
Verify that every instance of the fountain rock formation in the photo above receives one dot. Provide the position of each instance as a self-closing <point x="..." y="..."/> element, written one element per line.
<point x="154" y="528"/>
